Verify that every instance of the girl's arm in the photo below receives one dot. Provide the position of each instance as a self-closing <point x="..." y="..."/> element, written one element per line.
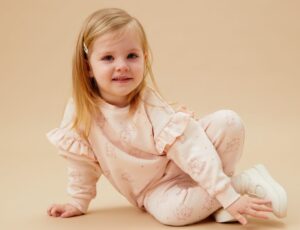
<point x="186" y="143"/>
<point x="83" y="167"/>
<point x="194" y="153"/>
<point x="83" y="174"/>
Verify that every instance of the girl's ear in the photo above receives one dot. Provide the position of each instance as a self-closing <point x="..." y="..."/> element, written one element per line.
<point x="90" y="72"/>
<point x="88" y="66"/>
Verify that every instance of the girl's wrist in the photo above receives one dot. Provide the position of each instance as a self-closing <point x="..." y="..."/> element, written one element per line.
<point x="228" y="196"/>
<point x="80" y="204"/>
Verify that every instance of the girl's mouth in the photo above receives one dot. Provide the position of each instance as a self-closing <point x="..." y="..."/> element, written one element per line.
<point x="122" y="79"/>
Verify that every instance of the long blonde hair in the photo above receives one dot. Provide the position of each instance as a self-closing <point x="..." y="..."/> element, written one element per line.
<point x="86" y="93"/>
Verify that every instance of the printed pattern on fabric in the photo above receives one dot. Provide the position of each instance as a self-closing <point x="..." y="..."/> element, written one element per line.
<point x="134" y="152"/>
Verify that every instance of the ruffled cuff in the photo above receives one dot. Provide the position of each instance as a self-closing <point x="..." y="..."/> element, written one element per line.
<point x="227" y="196"/>
<point x="80" y="204"/>
<point x="173" y="129"/>
<point x="67" y="140"/>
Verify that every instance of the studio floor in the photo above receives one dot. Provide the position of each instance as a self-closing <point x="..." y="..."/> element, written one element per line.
<point x="31" y="182"/>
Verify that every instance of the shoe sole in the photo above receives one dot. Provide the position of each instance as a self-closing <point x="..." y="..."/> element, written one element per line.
<point x="280" y="192"/>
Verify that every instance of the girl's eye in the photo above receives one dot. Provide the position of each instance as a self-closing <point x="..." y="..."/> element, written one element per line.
<point x="132" y="55"/>
<point x="108" y="58"/>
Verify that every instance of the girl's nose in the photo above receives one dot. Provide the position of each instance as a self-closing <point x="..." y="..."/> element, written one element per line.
<point x="122" y="66"/>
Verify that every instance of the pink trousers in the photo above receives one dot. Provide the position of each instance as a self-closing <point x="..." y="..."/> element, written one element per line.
<point x="181" y="201"/>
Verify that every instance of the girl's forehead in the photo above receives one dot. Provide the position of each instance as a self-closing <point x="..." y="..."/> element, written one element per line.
<point x="115" y="39"/>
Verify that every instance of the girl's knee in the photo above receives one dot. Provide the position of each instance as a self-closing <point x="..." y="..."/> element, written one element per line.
<point x="181" y="216"/>
<point x="229" y="119"/>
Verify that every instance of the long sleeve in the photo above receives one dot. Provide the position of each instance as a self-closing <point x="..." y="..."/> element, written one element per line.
<point x="83" y="166"/>
<point x="83" y="174"/>
<point x="195" y="154"/>
<point x="185" y="142"/>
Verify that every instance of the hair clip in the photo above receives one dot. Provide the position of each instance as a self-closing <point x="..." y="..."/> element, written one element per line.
<point x="85" y="48"/>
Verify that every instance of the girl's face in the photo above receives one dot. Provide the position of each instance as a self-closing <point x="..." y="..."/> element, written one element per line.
<point x="117" y="64"/>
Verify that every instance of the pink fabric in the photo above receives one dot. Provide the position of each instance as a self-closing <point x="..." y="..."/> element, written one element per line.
<point x="180" y="201"/>
<point x="142" y="153"/>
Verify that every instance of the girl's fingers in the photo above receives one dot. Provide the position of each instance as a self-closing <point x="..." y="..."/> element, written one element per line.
<point x="257" y="214"/>
<point x="57" y="210"/>
<point x="261" y="208"/>
<point x="240" y="218"/>
<point x="66" y="214"/>
<point x="261" y="201"/>
<point x="53" y="211"/>
<point x="65" y="211"/>
<point x="49" y="209"/>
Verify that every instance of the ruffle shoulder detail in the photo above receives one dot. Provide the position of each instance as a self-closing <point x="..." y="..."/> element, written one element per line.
<point x="172" y="130"/>
<point x="67" y="139"/>
<point x="168" y="123"/>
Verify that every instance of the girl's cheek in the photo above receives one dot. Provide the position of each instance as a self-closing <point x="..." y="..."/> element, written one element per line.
<point x="139" y="66"/>
<point x="101" y="69"/>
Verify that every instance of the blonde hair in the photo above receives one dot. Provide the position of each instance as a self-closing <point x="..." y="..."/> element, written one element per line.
<point x="86" y="93"/>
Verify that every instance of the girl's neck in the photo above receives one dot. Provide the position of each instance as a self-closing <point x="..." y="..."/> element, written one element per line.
<point x="114" y="106"/>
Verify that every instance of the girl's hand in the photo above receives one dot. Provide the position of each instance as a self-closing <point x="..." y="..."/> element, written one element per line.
<point x="255" y="207"/>
<point x="63" y="210"/>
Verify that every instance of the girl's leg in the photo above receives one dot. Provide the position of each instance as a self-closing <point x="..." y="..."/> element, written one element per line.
<point x="181" y="201"/>
<point x="226" y="131"/>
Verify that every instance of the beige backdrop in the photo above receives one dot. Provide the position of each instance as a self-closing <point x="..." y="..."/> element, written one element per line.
<point x="208" y="55"/>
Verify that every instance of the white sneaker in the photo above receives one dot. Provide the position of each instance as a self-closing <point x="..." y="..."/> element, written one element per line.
<point x="223" y="216"/>
<point x="256" y="181"/>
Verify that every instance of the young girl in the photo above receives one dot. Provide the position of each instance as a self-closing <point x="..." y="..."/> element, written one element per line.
<point x="164" y="161"/>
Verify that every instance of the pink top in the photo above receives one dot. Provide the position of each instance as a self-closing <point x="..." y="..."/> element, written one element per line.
<point x="135" y="153"/>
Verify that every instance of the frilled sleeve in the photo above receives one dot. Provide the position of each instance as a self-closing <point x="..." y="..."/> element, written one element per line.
<point x="67" y="139"/>
<point x="83" y="169"/>
<point x="173" y="128"/>
<point x="167" y="124"/>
